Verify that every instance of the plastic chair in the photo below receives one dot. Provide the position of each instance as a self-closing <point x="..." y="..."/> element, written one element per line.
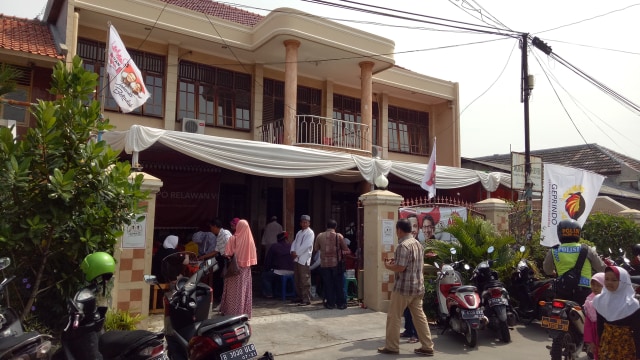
<point x="285" y="280"/>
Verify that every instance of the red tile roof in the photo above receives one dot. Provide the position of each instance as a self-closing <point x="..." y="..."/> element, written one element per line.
<point x="222" y="11"/>
<point x="26" y="35"/>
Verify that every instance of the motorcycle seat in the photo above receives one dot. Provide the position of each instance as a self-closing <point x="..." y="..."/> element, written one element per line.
<point x="11" y="341"/>
<point x="464" y="288"/>
<point x="113" y="344"/>
<point x="635" y="279"/>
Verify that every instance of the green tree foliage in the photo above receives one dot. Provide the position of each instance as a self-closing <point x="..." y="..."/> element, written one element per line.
<point x="613" y="232"/>
<point x="475" y="236"/>
<point x="8" y="77"/>
<point x="63" y="195"/>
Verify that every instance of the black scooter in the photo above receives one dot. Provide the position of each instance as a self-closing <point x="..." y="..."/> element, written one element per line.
<point x="189" y="332"/>
<point x="83" y="337"/>
<point x="14" y="342"/>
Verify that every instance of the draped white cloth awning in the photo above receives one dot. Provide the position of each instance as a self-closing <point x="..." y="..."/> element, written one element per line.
<point x="284" y="161"/>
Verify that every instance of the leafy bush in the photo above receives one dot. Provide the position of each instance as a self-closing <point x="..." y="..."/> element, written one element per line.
<point x="613" y="232"/>
<point x="121" y="320"/>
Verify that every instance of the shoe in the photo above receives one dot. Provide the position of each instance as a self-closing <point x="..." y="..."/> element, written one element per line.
<point x="384" y="350"/>
<point x="342" y="307"/>
<point x="304" y="303"/>
<point x="327" y="306"/>
<point x="404" y="335"/>
<point x="425" y="352"/>
<point x="412" y="340"/>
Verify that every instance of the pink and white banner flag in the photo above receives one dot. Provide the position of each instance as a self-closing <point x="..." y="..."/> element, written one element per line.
<point x="429" y="179"/>
<point x="125" y="79"/>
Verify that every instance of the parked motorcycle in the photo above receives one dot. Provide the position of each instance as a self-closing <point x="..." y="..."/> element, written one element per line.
<point x="189" y="332"/>
<point x="564" y="320"/>
<point x="15" y="343"/>
<point x="528" y="291"/>
<point x="495" y="298"/>
<point x="83" y="337"/>
<point x="458" y="306"/>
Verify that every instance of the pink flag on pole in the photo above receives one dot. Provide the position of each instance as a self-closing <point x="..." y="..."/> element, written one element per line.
<point x="125" y="79"/>
<point x="429" y="179"/>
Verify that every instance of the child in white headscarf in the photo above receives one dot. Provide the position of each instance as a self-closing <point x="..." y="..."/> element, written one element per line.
<point x="591" y="317"/>
<point x="618" y="317"/>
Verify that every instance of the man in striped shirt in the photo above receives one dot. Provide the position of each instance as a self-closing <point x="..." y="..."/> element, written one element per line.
<point x="408" y="291"/>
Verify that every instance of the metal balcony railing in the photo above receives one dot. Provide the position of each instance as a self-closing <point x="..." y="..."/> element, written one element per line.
<point x="318" y="130"/>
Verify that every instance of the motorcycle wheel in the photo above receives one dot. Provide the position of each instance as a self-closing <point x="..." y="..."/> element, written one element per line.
<point x="471" y="337"/>
<point x="505" y="335"/>
<point x="556" y="349"/>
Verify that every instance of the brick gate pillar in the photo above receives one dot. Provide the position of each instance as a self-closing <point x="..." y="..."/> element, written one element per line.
<point x="380" y="216"/>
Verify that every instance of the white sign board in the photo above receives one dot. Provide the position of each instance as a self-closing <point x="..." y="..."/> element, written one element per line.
<point x="135" y="233"/>
<point x="517" y="172"/>
<point x="388" y="231"/>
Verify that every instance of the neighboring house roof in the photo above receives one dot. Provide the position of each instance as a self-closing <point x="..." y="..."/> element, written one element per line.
<point x="219" y="10"/>
<point x="592" y="157"/>
<point x="26" y="35"/>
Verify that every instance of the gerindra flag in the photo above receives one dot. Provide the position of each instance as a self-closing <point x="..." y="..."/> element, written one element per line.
<point x="429" y="179"/>
<point x="125" y="80"/>
<point x="568" y="193"/>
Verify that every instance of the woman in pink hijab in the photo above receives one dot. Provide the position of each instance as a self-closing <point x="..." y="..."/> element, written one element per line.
<point x="237" y="295"/>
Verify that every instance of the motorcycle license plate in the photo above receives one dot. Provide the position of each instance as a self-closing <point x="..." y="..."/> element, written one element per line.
<point x="555" y="323"/>
<point x="472" y="314"/>
<point x="497" y="301"/>
<point x="244" y="353"/>
<point x="162" y="356"/>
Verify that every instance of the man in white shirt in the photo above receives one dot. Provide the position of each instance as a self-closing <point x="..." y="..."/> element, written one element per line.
<point x="301" y="250"/>
<point x="222" y="237"/>
<point x="270" y="234"/>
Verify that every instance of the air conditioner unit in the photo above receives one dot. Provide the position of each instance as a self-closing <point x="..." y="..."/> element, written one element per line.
<point x="193" y="126"/>
<point x="376" y="152"/>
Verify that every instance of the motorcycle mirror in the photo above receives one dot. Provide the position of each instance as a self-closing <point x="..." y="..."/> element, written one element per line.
<point x="610" y="252"/>
<point x="435" y="263"/>
<point x="4" y="263"/>
<point x="150" y="279"/>
<point x="467" y="267"/>
<point x="522" y="248"/>
<point x="453" y="251"/>
<point x="490" y="249"/>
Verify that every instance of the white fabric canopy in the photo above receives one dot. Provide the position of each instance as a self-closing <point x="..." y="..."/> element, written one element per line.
<point x="284" y="161"/>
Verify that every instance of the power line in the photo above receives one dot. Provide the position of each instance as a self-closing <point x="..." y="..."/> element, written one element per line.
<point x="560" y="100"/>
<point x="581" y="106"/>
<point x="494" y="82"/>
<point x="591" y="18"/>
<point x="347" y="7"/>
<point x="594" y="47"/>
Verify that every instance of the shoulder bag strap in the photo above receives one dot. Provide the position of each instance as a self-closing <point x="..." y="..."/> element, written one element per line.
<point x="581" y="258"/>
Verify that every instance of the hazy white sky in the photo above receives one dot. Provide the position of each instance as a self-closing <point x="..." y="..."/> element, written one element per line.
<point x="494" y="123"/>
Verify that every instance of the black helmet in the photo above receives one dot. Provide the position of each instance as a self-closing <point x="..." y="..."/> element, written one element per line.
<point x="569" y="231"/>
<point x="636" y="249"/>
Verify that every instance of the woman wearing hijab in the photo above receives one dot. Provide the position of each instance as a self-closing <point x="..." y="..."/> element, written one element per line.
<point x="618" y="317"/>
<point x="168" y="247"/>
<point x="237" y="295"/>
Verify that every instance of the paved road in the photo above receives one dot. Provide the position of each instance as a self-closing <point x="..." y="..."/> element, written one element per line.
<point x="356" y="334"/>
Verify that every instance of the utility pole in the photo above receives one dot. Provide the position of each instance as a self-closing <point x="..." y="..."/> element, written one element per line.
<point x="525" y="87"/>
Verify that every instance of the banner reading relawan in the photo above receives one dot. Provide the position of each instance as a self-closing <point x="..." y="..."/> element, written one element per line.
<point x="568" y="193"/>
<point x="125" y="79"/>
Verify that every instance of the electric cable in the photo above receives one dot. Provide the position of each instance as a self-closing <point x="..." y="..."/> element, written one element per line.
<point x="588" y="19"/>
<point x="561" y="103"/>
<point x="593" y="47"/>
<point x="494" y="82"/>
<point x="581" y="106"/>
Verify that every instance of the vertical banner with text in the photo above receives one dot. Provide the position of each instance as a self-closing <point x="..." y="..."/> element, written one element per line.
<point x="569" y="193"/>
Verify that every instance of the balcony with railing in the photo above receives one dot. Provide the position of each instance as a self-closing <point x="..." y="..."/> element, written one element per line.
<point x="320" y="132"/>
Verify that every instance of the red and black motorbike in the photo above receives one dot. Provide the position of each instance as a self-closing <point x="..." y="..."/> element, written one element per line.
<point x="458" y="306"/>
<point x="188" y="331"/>
<point x="564" y="320"/>
<point x="529" y="291"/>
